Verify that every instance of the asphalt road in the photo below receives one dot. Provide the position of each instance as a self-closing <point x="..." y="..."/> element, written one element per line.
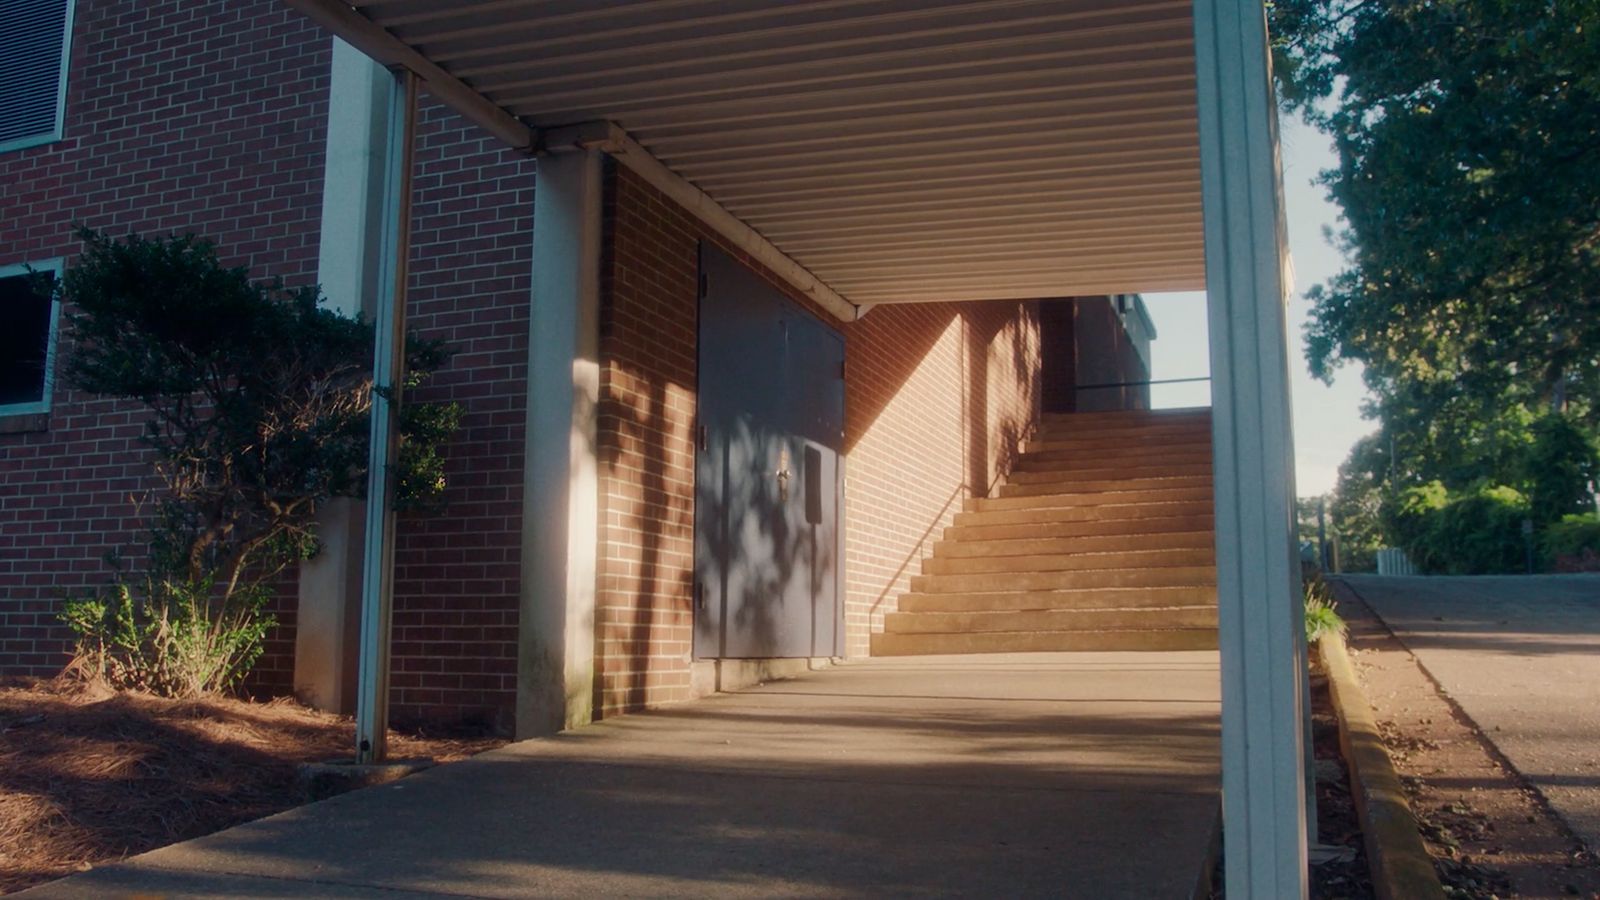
<point x="1521" y="655"/>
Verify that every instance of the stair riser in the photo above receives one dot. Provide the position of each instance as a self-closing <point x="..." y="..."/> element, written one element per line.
<point x="1096" y="498"/>
<point x="1068" y="477"/>
<point x="1042" y="642"/>
<point x="1051" y="620"/>
<point x="1058" y="600"/>
<point x="1115" y="484"/>
<point x="972" y="548"/>
<point x="1082" y="515"/>
<point x="1016" y="565"/>
<point x="1173" y="576"/>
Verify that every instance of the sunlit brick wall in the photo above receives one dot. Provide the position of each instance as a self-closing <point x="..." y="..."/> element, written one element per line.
<point x="935" y="395"/>
<point x="939" y="395"/>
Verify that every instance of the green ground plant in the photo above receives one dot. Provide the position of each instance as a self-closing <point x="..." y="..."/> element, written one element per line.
<point x="256" y="401"/>
<point x="1321" y="611"/>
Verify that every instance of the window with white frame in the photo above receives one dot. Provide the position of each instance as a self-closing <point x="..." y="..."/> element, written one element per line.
<point x="35" y="39"/>
<point x="27" y="336"/>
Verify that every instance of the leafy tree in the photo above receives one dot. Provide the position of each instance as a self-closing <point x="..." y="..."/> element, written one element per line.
<point x="257" y="401"/>
<point x="1468" y="141"/>
<point x="1468" y="138"/>
<point x="1559" y="468"/>
<point x="1355" y="513"/>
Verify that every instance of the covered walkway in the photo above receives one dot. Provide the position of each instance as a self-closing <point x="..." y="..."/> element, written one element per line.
<point x="1077" y="775"/>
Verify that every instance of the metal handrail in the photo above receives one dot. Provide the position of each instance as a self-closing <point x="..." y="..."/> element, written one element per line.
<point x="1120" y="384"/>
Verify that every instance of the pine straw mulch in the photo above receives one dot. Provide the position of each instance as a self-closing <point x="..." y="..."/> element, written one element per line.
<point x="88" y="775"/>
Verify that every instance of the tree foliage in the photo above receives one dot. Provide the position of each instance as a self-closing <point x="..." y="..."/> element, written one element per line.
<point x="1467" y="135"/>
<point x="1468" y="142"/>
<point x="257" y="400"/>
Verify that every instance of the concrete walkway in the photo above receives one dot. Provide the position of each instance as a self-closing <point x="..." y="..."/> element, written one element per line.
<point x="1065" y="775"/>
<point x="1521" y="655"/>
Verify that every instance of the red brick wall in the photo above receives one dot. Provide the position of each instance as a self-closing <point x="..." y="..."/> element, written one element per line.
<point x="202" y="117"/>
<point x="937" y="396"/>
<point x="209" y="118"/>
<point x="458" y="574"/>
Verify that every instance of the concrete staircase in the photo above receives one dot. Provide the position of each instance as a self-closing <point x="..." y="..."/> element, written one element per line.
<point x="1101" y="540"/>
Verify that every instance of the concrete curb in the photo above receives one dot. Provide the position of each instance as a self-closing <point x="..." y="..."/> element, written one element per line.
<point x="1401" y="866"/>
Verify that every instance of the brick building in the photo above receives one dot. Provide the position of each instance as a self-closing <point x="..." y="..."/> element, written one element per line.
<point x="882" y="202"/>
<point x="212" y="119"/>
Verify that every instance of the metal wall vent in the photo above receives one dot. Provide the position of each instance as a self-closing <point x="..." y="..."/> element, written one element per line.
<point x="34" y="39"/>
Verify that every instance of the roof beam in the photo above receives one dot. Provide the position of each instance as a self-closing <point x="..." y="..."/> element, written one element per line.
<point x="611" y="138"/>
<point x="361" y="33"/>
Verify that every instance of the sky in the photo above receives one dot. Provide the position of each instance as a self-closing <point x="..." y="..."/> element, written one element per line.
<point x="1327" y="419"/>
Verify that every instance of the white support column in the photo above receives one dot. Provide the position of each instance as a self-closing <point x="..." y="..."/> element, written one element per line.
<point x="1258" y="575"/>
<point x="561" y="494"/>
<point x="328" y="614"/>
<point x="388" y="374"/>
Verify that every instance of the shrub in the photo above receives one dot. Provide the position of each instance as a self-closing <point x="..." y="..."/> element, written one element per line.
<point x="1560" y="465"/>
<point x="1321" y="612"/>
<point x="1470" y="533"/>
<point x="1573" y="544"/>
<point x="257" y="400"/>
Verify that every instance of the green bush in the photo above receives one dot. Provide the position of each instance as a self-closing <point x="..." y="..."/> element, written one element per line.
<point x="170" y="637"/>
<point x="1572" y="544"/>
<point x="1475" y="532"/>
<point x="1559" y="466"/>
<point x="257" y="402"/>
<point x="1321" y="612"/>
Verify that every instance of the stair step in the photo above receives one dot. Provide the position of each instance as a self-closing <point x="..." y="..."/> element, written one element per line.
<point x="1070" y="562"/>
<point x="1106" y="513"/>
<point x="1131" y="433"/>
<point x="1164" y="576"/>
<point x="1091" y="498"/>
<point x="1150" y="617"/>
<point x="887" y="644"/>
<point x="1086" y="598"/>
<point x="1125" y="483"/>
<point x="1091" y="542"/>
<point x="1063" y="475"/>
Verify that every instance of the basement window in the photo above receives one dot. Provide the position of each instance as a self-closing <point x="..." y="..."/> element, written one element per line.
<point x="27" y="337"/>
<point x="35" y="40"/>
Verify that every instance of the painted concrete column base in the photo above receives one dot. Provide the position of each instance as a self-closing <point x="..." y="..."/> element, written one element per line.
<point x="328" y="617"/>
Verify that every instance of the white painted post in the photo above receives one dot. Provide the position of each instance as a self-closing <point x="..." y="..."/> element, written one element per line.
<point x="388" y="372"/>
<point x="328" y="615"/>
<point x="561" y="494"/>
<point x="1258" y="577"/>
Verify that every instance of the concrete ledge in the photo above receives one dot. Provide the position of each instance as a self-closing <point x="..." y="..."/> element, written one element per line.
<point x="326" y="779"/>
<point x="1401" y="866"/>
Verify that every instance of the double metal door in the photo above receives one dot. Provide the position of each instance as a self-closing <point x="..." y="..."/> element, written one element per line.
<point x="767" y="480"/>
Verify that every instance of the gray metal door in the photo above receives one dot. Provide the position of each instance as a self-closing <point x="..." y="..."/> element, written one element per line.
<point x="767" y="477"/>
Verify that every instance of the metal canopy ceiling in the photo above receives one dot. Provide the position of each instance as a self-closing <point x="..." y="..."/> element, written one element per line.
<point x="902" y="150"/>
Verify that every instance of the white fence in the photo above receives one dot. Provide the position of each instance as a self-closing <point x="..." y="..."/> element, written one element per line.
<point x="1393" y="561"/>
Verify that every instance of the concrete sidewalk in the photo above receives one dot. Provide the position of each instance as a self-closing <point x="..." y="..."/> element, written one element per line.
<point x="1079" y="775"/>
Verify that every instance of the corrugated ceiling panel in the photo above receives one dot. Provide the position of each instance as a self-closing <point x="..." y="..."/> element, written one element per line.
<point x="902" y="150"/>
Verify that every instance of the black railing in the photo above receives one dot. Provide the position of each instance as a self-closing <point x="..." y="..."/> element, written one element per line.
<point x="1124" y="384"/>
